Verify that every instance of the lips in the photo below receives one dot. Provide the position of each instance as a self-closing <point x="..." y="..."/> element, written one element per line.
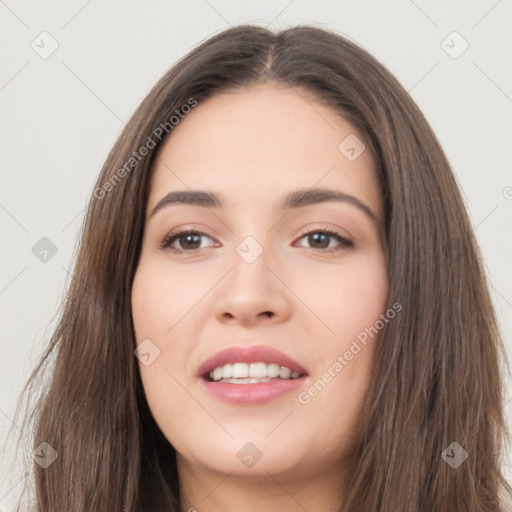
<point x="254" y="354"/>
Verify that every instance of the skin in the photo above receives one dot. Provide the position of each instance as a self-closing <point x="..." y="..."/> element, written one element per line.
<point x="254" y="146"/>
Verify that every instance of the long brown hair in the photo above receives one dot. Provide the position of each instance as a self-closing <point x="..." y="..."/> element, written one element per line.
<point x="437" y="368"/>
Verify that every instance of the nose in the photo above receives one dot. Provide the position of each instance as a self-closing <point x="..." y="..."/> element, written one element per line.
<point x="253" y="292"/>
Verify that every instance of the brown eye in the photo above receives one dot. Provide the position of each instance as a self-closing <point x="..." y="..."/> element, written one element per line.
<point x="321" y="239"/>
<point x="188" y="241"/>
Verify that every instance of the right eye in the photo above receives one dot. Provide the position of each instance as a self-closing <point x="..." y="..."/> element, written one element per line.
<point x="188" y="239"/>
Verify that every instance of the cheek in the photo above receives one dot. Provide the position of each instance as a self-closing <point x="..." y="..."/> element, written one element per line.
<point x="346" y="298"/>
<point x="162" y="305"/>
<point x="160" y="301"/>
<point x="364" y="299"/>
<point x="162" y="297"/>
<point x="349" y="302"/>
<point x="157" y="306"/>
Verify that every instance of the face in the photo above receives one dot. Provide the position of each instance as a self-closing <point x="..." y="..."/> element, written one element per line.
<point x="305" y="278"/>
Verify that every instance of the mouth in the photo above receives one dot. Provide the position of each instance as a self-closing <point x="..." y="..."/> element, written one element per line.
<point x="251" y="374"/>
<point x="257" y="362"/>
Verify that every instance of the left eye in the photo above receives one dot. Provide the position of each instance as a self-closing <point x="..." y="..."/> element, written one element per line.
<point x="191" y="240"/>
<point x="321" y="239"/>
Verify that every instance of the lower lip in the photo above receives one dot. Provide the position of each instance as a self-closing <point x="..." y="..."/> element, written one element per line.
<point x="252" y="393"/>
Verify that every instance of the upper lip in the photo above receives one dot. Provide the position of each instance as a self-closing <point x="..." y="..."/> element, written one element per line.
<point x="254" y="354"/>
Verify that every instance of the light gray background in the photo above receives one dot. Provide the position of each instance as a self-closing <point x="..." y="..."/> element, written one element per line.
<point x="62" y="114"/>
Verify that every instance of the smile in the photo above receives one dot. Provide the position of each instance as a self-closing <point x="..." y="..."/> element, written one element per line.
<point x="252" y="373"/>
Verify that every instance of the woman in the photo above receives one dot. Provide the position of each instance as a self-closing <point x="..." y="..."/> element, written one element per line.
<point x="277" y="303"/>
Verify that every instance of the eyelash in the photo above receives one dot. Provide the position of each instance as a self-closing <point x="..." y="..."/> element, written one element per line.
<point x="165" y="244"/>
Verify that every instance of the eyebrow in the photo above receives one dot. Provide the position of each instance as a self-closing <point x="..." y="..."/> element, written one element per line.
<point x="293" y="200"/>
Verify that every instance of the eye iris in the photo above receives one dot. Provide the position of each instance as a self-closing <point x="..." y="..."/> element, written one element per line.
<point x="185" y="238"/>
<point x="313" y="238"/>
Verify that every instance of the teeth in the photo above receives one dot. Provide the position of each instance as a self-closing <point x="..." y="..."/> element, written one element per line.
<point x="239" y="370"/>
<point x="243" y="373"/>
<point x="227" y="371"/>
<point x="245" y="381"/>
<point x="285" y="373"/>
<point x="273" y="370"/>
<point x="258" y="370"/>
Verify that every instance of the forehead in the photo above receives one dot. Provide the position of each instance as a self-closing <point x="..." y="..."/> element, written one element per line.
<point x="261" y="142"/>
